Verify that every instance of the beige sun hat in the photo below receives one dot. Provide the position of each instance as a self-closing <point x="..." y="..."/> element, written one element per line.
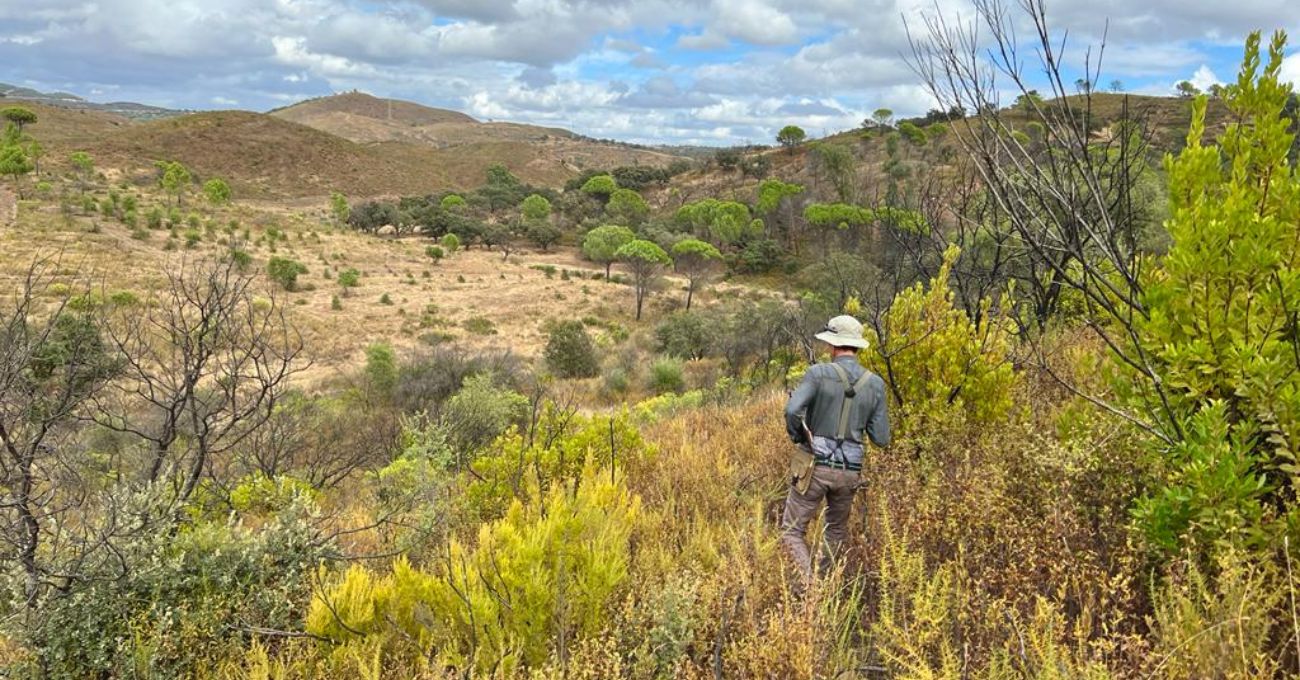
<point x="843" y="331"/>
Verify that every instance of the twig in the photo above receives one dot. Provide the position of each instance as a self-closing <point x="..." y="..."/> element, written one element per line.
<point x="1290" y="582"/>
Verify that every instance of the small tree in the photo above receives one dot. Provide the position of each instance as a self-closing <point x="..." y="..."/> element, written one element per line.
<point x="883" y="118"/>
<point x="175" y="178"/>
<point x="602" y="243"/>
<point x="339" y="208"/>
<point x="696" y="260"/>
<point x="450" y="242"/>
<point x="15" y="161"/>
<point x="791" y="136"/>
<point x="536" y="212"/>
<point x="20" y="116"/>
<point x="570" y="352"/>
<point x="217" y="191"/>
<point x="646" y="261"/>
<point x="349" y="278"/>
<point x="381" y="369"/>
<point x="84" y="166"/>
<point x="1187" y="89"/>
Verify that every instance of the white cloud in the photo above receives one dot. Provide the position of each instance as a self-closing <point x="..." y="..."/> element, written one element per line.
<point x="643" y="70"/>
<point x="1204" y="78"/>
<point x="705" y="40"/>
<point x="1290" y="71"/>
<point x="754" y="21"/>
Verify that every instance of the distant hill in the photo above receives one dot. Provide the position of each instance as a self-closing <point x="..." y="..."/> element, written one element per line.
<point x="63" y="99"/>
<point x="265" y="157"/>
<point x="353" y="143"/>
<point x="546" y="154"/>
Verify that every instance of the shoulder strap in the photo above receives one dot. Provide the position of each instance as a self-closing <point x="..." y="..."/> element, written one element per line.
<point x="850" y="391"/>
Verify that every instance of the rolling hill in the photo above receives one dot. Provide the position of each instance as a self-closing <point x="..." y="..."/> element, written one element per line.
<point x="1166" y="120"/>
<point x="550" y="153"/>
<point x="266" y="157"/>
<point x="354" y="143"/>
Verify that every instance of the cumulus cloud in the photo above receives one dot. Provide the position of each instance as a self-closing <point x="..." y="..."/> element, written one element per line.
<point x="1204" y="78"/>
<point x="704" y="40"/>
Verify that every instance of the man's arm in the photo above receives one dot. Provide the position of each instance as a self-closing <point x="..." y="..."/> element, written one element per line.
<point x="797" y="405"/>
<point x="878" y="423"/>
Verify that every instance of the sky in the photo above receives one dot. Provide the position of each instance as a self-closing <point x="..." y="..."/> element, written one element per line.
<point x="711" y="72"/>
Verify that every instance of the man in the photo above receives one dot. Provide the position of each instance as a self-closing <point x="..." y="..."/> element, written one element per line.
<point x="835" y="405"/>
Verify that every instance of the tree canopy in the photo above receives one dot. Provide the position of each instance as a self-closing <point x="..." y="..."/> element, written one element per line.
<point x="626" y="207"/>
<point x="695" y="259"/>
<point x="18" y="115"/>
<point x="601" y="244"/>
<point x="645" y="260"/>
<point x="791" y="136"/>
<point x="725" y="222"/>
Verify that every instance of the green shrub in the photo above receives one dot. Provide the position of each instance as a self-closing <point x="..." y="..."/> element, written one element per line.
<point x="481" y="411"/>
<point x="385" y="299"/>
<point x="349" y="278"/>
<point x="569" y="351"/>
<point x="479" y="325"/>
<point x="171" y="615"/>
<point x="666" y="375"/>
<point x="617" y="381"/>
<point x="686" y="335"/>
<point x="285" y="272"/>
<point x="262" y="495"/>
<point x="381" y="368"/>
<point x="450" y="242"/>
<point x="434" y="252"/>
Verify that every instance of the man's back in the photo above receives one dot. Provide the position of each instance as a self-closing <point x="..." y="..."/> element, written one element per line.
<point x="817" y="403"/>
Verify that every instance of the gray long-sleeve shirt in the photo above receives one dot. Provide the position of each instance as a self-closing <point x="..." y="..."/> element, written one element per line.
<point x="817" y="401"/>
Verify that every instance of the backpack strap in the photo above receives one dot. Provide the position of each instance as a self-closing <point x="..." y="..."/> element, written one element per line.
<point x="846" y="405"/>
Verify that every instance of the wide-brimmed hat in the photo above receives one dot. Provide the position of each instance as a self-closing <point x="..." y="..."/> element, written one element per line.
<point x="843" y="331"/>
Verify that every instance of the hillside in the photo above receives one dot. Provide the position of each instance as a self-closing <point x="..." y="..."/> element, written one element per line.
<point x="71" y="101"/>
<point x="1167" y="119"/>
<point x="265" y="157"/>
<point x="543" y="154"/>
<point x="60" y="126"/>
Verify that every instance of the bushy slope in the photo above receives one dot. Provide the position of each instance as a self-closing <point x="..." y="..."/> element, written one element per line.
<point x="263" y="156"/>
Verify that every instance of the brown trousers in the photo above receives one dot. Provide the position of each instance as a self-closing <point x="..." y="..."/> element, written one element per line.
<point x="837" y="488"/>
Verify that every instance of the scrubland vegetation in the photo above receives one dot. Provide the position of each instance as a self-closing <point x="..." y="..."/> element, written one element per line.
<point x="1090" y="344"/>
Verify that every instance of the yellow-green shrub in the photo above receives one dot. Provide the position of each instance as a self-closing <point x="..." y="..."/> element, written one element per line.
<point x="945" y="367"/>
<point x="538" y="577"/>
<point x="560" y="444"/>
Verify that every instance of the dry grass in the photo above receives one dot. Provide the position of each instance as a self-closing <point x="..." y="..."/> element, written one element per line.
<point x="428" y="302"/>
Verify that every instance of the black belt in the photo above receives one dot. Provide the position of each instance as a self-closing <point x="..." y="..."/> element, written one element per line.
<point x="839" y="466"/>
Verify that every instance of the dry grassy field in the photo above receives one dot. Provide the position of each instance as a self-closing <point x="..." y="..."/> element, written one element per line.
<point x="474" y="299"/>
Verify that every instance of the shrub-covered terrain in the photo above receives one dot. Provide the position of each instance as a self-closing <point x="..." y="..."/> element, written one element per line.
<point x="524" y="432"/>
